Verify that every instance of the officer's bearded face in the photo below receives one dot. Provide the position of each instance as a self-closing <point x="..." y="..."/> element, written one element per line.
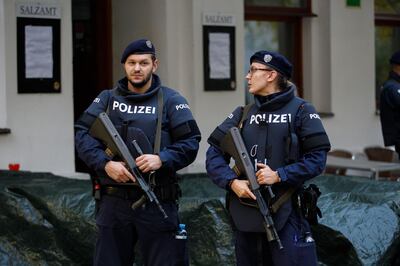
<point x="139" y="69"/>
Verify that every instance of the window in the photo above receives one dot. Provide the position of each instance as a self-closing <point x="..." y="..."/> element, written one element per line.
<point x="270" y="35"/>
<point x="387" y="39"/>
<point x="387" y="7"/>
<point x="276" y="25"/>
<point x="277" y="3"/>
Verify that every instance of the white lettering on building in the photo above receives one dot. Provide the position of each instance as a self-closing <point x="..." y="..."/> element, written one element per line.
<point x="218" y="19"/>
<point x="38" y="10"/>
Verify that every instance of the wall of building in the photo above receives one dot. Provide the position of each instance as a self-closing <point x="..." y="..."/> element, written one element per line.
<point x="168" y="26"/>
<point x="41" y="125"/>
<point x="133" y="20"/>
<point x="317" y="57"/>
<point x="178" y="37"/>
<point x="3" y="102"/>
<point x="352" y="53"/>
<point x="212" y="107"/>
<point x="339" y="72"/>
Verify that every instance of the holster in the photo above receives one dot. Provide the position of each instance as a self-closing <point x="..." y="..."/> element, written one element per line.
<point x="170" y="192"/>
<point x="96" y="187"/>
<point x="306" y="202"/>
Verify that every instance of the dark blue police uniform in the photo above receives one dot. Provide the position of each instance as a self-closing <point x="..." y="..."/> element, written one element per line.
<point x="119" y="226"/>
<point x="285" y="133"/>
<point x="390" y="111"/>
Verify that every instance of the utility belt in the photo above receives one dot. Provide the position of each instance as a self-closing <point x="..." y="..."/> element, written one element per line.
<point x="304" y="199"/>
<point x="171" y="192"/>
<point x="132" y="193"/>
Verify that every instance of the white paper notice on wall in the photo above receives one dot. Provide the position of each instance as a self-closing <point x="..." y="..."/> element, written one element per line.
<point x="219" y="56"/>
<point x="38" y="52"/>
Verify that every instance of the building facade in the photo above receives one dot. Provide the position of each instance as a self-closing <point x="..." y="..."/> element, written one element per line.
<point x="332" y="45"/>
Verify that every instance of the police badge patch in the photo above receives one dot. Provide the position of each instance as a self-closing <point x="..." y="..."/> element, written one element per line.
<point x="267" y="58"/>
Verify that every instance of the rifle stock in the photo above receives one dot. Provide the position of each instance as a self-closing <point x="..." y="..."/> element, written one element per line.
<point x="104" y="130"/>
<point x="233" y="144"/>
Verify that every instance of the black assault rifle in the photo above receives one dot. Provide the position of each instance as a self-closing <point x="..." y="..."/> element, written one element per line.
<point x="104" y="130"/>
<point x="233" y="144"/>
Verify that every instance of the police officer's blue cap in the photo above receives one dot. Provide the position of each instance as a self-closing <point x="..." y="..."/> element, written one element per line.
<point x="275" y="61"/>
<point x="395" y="59"/>
<point x="142" y="46"/>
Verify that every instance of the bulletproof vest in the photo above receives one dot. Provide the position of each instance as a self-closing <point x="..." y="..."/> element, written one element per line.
<point x="135" y="117"/>
<point x="270" y="138"/>
<point x="266" y="133"/>
<point x="128" y="112"/>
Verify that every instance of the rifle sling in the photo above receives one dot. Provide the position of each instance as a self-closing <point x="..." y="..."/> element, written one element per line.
<point x="282" y="199"/>
<point x="246" y="110"/>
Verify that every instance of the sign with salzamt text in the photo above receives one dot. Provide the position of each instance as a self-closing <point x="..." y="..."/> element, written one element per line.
<point x="37" y="10"/>
<point x="218" y="19"/>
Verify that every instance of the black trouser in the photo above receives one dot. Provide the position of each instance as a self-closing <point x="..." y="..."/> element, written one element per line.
<point x="120" y="228"/>
<point x="253" y="249"/>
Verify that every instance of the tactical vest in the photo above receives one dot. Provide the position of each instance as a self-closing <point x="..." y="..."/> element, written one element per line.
<point x="266" y="133"/>
<point x="270" y="138"/>
<point x="139" y="120"/>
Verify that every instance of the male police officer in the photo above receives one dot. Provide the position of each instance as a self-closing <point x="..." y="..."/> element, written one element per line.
<point x="286" y="141"/>
<point x="390" y="105"/>
<point x="139" y="106"/>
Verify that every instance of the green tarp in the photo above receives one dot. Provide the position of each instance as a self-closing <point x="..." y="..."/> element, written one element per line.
<point x="48" y="220"/>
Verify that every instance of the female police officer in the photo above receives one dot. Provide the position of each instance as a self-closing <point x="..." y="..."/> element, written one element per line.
<point x="140" y="108"/>
<point x="287" y="143"/>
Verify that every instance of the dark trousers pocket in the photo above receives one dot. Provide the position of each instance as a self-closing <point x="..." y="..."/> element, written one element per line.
<point x="306" y="253"/>
<point x="181" y="252"/>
